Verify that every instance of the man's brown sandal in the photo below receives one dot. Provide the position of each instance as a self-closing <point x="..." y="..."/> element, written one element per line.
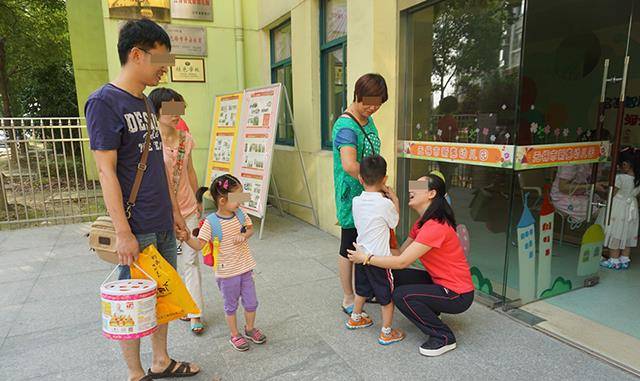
<point x="183" y="370"/>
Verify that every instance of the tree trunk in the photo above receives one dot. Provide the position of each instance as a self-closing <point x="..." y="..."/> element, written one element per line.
<point x="6" y="112"/>
<point x="4" y="82"/>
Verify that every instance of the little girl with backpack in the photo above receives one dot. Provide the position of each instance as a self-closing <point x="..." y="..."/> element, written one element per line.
<point x="223" y="238"/>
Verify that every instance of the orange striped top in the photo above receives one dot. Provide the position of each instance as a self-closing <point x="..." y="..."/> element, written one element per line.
<point x="233" y="259"/>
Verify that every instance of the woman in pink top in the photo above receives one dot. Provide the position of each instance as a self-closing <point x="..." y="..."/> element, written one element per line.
<point x="177" y="147"/>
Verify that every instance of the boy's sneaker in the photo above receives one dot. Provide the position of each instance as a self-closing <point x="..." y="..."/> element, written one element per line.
<point x="434" y="347"/>
<point x="610" y="264"/>
<point x="255" y="335"/>
<point x="364" y="322"/>
<point x="395" y="336"/>
<point x="239" y="343"/>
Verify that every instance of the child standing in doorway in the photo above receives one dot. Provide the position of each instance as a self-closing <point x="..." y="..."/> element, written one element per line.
<point x="234" y="264"/>
<point x="621" y="234"/>
<point x="375" y="213"/>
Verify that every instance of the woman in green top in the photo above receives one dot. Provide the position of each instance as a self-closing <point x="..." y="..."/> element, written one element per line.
<point x="354" y="137"/>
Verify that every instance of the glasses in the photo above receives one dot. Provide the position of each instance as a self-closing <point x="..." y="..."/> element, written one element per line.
<point x="162" y="59"/>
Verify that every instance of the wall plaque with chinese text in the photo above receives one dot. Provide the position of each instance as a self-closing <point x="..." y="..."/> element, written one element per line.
<point x="188" y="70"/>
<point x="192" y="9"/>
<point x="187" y="41"/>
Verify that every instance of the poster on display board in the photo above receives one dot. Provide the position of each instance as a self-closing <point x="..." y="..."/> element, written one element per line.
<point x="257" y="133"/>
<point x="224" y="135"/>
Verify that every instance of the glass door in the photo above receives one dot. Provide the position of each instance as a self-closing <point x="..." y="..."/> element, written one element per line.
<point x="570" y="111"/>
<point x="521" y="82"/>
<point x="458" y="115"/>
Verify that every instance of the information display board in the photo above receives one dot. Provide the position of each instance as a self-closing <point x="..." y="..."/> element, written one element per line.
<point x="243" y="139"/>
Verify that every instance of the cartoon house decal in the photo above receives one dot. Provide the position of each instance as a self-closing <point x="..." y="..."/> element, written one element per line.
<point x="526" y="254"/>
<point x="590" y="250"/>
<point x="545" y="242"/>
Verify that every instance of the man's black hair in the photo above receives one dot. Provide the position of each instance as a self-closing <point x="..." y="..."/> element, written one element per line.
<point x="373" y="169"/>
<point x="163" y="94"/>
<point x="143" y="34"/>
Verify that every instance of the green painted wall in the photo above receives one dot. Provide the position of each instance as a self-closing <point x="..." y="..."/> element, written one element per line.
<point x="89" y="55"/>
<point x="94" y="38"/>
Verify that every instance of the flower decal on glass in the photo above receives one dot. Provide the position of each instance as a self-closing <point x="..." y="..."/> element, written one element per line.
<point x="534" y="127"/>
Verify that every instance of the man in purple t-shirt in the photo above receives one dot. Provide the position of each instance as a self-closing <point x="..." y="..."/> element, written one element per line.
<point x="117" y="122"/>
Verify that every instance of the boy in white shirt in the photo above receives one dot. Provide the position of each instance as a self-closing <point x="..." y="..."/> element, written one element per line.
<point x="375" y="213"/>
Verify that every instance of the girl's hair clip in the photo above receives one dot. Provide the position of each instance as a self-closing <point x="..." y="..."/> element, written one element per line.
<point x="226" y="184"/>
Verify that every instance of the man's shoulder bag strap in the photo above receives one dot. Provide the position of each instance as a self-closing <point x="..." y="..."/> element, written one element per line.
<point x="142" y="164"/>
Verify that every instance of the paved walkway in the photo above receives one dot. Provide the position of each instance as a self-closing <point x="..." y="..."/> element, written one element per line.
<point x="49" y="322"/>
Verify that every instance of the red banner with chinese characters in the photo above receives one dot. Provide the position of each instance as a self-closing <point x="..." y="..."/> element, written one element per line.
<point x="552" y="155"/>
<point x="490" y="155"/>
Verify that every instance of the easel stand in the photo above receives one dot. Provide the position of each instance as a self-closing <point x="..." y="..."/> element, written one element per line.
<point x="276" y="194"/>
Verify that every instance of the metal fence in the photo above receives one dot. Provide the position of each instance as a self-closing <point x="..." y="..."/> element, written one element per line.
<point x="44" y="173"/>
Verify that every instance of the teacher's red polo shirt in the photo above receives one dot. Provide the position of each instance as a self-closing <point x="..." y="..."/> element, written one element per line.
<point x="445" y="262"/>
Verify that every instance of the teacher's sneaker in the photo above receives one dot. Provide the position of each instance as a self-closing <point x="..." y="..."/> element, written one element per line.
<point x="393" y="337"/>
<point x="434" y="347"/>
<point x="363" y="322"/>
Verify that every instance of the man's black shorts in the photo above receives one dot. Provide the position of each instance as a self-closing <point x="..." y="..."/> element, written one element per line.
<point x="347" y="238"/>
<point x="374" y="281"/>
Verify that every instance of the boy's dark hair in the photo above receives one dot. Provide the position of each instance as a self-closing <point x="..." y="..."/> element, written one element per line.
<point x="373" y="169"/>
<point x="370" y="85"/>
<point x="143" y="34"/>
<point x="220" y="187"/>
<point x="163" y="94"/>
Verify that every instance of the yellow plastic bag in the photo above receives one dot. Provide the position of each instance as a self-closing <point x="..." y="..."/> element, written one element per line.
<point x="174" y="300"/>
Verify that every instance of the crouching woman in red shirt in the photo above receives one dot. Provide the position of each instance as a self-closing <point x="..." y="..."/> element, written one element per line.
<point x="446" y="286"/>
